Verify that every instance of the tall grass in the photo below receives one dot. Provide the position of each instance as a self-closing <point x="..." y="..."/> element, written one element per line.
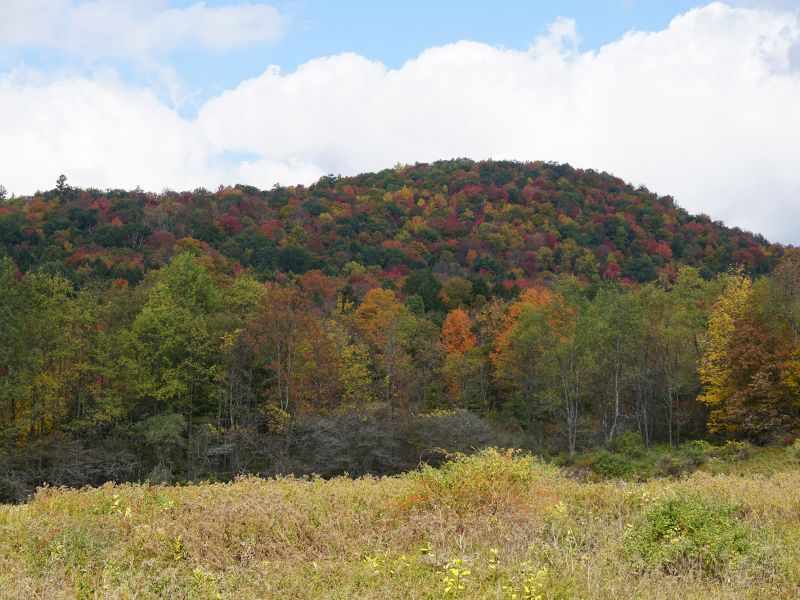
<point x="494" y="525"/>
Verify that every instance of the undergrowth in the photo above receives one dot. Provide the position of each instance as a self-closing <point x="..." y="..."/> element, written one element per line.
<point x="497" y="524"/>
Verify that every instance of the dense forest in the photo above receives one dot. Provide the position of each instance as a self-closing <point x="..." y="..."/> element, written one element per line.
<point x="364" y="324"/>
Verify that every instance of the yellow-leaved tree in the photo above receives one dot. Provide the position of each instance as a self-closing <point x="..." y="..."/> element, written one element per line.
<point x="716" y="374"/>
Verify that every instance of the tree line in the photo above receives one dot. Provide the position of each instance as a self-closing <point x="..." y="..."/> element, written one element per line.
<point x="197" y="373"/>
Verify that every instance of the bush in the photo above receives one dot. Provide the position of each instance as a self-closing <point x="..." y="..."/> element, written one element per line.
<point x="699" y="451"/>
<point x="434" y="435"/>
<point x="794" y="450"/>
<point x="629" y="444"/>
<point x="353" y="443"/>
<point x="732" y="451"/>
<point x="13" y="490"/>
<point x="687" y="532"/>
<point x="669" y="466"/>
<point x="610" y="464"/>
<point x="491" y="481"/>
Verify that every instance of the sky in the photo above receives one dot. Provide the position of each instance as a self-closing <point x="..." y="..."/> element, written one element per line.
<point x="694" y="100"/>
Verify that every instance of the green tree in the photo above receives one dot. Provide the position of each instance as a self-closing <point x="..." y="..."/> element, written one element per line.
<point x="616" y="326"/>
<point x="682" y="322"/>
<point x="568" y="358"/>
<point x="519" y="361"/>
<point x="61" y="184"/>
<point x="172" y="344"/>
<point x="10" y="349"/>
<point x="424" y="283"/>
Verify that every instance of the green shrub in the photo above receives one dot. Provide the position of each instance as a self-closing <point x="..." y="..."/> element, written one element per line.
<point x="794" y="449"/>
<point x="611" y="464"/>
<point x="491" y="480"/>
<point x="669" y="466"/>
<point x="732" y="451"/>
<point x="687" y="532"/>
<point x="699" y="451"/>
<point x="629" y="444"/>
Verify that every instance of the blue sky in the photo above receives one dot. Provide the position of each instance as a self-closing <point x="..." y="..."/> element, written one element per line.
<point x="389" y="31"/>
<point x="695" y="100"/>
<point x="394" y="31"/>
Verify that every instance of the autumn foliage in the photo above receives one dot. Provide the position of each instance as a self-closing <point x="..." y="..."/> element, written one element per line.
<point x="749" y="368"/>
<point x="499" y="224"/>
<point x="457" y="335"/>
<point x="205" y="334"/>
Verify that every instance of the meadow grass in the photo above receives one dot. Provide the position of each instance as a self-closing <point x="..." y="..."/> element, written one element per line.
<point x="494" y="525"/>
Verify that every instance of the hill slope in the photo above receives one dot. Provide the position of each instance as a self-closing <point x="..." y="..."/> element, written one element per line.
<point x="362" y="324"/>
<point x="505" y="223"/>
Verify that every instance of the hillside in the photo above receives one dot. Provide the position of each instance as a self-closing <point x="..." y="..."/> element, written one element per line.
<point x="495" y="525"/>
<point x="363" y="325"/>
<point x="505" y="224"/>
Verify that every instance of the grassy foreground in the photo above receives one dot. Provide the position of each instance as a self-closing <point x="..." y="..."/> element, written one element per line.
<point x="495" y="525"/>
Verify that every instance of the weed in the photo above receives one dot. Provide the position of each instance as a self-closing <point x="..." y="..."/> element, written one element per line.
<point x="519" y="528"/>
<point x="527" y="584"/>
<point x="178" y="549"/>
<point x="455" y="577"/>
<point x="687" y="531"/>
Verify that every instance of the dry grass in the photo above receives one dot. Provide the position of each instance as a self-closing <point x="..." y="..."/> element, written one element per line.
<point x="495" y="525"/>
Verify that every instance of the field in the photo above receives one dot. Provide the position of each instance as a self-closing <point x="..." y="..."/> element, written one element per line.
<point x="494" y="525"/>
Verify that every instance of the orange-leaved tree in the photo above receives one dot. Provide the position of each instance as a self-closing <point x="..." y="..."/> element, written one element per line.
<point x="457" y="336"/>
<point x="377" y="315"/>
<point x="518" y="351"/>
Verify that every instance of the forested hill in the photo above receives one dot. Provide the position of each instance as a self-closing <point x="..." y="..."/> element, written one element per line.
<point x="365" y="324"/>
<point x="503" y="225"/>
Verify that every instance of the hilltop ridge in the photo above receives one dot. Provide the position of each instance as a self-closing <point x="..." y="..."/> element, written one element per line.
<point x="505" y="223"/>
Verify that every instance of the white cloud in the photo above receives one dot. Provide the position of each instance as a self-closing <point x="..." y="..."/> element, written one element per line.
<point x="100" y="133"/>
<point x="705" y="110"/>
<point x="135" y="28"/>
<point x="782" y="5"/>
